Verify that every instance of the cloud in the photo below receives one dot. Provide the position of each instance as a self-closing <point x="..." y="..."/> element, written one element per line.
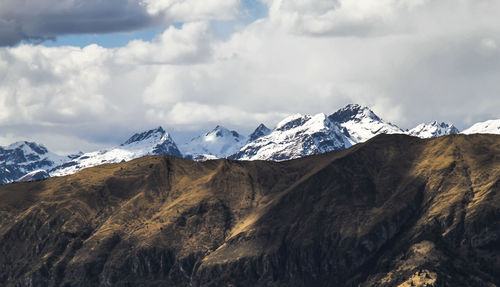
<point x="36" y="20"/>
<point x="189" y="45"/>
<point x="342" y="17"/>
<point x="416" y="61"/>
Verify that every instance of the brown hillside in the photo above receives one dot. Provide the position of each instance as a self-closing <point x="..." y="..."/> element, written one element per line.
<point x="395" y="211"/>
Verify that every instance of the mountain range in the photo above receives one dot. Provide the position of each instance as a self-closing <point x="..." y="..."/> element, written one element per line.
<point x="395" y="210"/>
<point x="294" y="137"/>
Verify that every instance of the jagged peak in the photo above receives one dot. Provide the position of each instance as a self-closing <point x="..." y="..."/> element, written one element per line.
<point x="157" y="132"/>
<point x="221" y="131"/>
<point x="433" y="129"/>
<point x="292" y="121"/>
<point x="259" y="132"/>
<point x="352" y="112"/>
<point x="37" y="148"/>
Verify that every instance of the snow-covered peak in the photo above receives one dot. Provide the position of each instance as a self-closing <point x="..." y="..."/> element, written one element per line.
<point x="28" y="147"/>
<point x="151" y="135"/>
<point x="219" y="142"/>
<point x="487" y="127"/>
<point x="292" y="121"/>
<point x="23" y="157"/>
<point x="294" y="137"/>
<point x="220" y="132"/>
<point x="259" y="132"/>
<point x="361" y="123"/>
<point x="152" y="142"/>
<point x="433" y="130"/>
<point x="353" y="112"/>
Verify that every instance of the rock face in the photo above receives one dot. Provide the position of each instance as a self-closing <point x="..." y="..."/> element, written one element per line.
<point x="23" y="157"/>
<point x="393" y="211"/>
<point x="259" y="132"/>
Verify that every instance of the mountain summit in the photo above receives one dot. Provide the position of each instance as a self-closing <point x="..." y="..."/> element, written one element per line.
<point x="219" y="142"/>
<point x="296" y="136"/>
<point x="433" y="130"/>
<point x="259" y="132"/>
<point x="300" y="135"/>
<point x="151" y="142"/>
<point x="23" y="157"/>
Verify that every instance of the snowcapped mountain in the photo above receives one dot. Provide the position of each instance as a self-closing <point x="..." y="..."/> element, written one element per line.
<point x="296" y="136"/>
<point x="259" y="132"/>
<point x="151" y="142"/>
<point x="218" y="143"/>
<point x="487" y="127"/>
<point x="361" y="123"/>
<point x="23" y="157"/>
<point x="433" y="130"/>
<point x="302" y="135"/>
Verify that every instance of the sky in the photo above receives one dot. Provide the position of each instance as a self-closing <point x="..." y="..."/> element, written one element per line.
<point x="79" y="75"/>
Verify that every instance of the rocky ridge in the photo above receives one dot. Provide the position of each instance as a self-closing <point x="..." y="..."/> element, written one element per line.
<point x="393" y="211"/>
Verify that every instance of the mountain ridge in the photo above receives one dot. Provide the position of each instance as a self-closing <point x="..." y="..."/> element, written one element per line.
<point x="395" y="210"/>
<point x="345" y="127"/>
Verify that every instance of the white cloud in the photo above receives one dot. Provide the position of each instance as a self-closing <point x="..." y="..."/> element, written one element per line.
<point x="191" y="44"/>
<point x="412" y="61"/>
<point x="194" y="10"/>
<point x="341" y="17"/>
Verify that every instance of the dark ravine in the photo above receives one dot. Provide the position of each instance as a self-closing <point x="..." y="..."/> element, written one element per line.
<point x="394" y="211"/>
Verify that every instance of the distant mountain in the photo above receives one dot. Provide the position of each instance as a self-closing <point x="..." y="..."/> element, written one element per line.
<point x="301" y="135"/>
<point x="296" y="136"/>
<point x="152" y="142"/>
<point x="23" y="157"/>
<point x="259" y="132"/>
<point x="218" y="143"/>
<point x="487" y="127"/>
<point x="361" y="124"/>
<point x="433" y="130"/>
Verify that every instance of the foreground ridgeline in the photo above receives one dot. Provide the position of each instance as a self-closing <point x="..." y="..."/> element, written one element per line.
<point x="294" y="137"/>
<point x="393" y="210"/>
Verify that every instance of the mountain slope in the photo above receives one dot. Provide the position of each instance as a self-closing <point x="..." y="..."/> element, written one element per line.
<point x="294" y="137"/>
<point x="433" y="130"/>
<point x="393" y="211"/>
<point x="151" y="142"/>
<point x="259" y="132"/>
<point x="361" y="123"/>
<point x="23" y="157"/>
<point x="300" y="135"/>
<point x="487" y="127"/>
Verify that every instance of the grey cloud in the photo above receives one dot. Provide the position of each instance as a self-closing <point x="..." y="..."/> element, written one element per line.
<point x="37" y="20"/>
